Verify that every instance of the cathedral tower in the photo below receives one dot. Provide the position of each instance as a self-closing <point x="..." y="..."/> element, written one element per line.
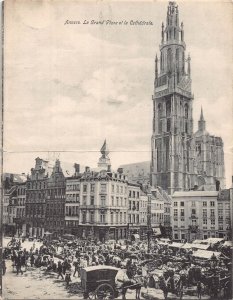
<point x="173" y="147"/>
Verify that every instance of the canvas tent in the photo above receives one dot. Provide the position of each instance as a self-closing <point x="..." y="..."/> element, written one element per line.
<point x="204" y="254"/>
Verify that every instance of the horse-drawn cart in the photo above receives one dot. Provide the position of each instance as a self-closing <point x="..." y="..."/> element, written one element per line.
<point x="98" y="282"/>
<point x="101" y="282"/>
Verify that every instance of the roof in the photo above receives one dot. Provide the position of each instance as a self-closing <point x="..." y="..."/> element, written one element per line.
<point x="214" y="240"/>
<point x="187" y="246"/>
<point x="101" y="267"/>
<point x="205" y="254"/>
<point x="200" y="242"/>
<point x="17" y="178"/>
<point x="176" y="245"/>
<point x="200" y="246"/>
<point x="228" y="243"/>
<point x="195" y="194"/>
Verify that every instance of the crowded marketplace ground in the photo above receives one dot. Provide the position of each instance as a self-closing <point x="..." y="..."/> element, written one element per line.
<point x="76" y="269"/>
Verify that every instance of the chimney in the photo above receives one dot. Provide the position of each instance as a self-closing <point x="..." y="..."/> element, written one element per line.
<point x="120" y="170"/>
<point x="87" y="169"/>
<point x="109" y="168"/>
<point x="77" y="168"/>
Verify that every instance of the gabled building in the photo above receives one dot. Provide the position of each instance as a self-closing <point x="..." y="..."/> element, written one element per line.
<point x="36" y="187"/>
<point x="55" y="201"/>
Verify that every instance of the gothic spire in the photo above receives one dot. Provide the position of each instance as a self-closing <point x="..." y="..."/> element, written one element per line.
<point x="172" y="25"/>
<point x="201" y="122"/>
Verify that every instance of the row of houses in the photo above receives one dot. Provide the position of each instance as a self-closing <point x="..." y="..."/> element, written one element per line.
<point x="103" y="204"/>
<point x="96" y="203"/>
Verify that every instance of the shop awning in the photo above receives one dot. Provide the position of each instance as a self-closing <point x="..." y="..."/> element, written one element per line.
<point x="214" y="240"/>
<point x="176" y="245"/>
<point x="228" y="244"/>
<point x="187" y="246"/>
<point x="205" y="254"/>
<point x="200" y="246"/>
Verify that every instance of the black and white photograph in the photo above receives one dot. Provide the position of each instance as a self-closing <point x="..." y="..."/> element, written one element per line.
<point x="117" y="178"/>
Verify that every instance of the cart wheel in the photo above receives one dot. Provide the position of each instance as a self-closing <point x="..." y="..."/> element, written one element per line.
<point x="104" y="292"/>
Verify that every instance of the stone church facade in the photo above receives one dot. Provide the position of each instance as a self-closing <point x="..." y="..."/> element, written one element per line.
<point x="181" y="159"/>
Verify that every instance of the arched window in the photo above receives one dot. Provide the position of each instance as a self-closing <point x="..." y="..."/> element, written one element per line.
<point x="169" y="59"/>
<point x="186" y="111"/>
<point x="168" y="125"/>
<point x="159" y="117"/>
<point x="183" y="62"/>
<point x="168" y="108"/>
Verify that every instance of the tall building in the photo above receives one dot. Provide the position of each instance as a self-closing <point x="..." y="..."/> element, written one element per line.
<point x="172" y="141"/>
<point x="72" y="203"/>
<point x="55" y="201"/>
<point x="201" y="214"/>
<point x="36" y="186"/>
<point x="181" y="160"/>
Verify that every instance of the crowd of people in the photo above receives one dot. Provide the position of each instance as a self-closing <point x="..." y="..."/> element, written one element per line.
<point x="175" y="268"/>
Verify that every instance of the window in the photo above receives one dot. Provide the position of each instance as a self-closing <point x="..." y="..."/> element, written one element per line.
<point x="120" y="217"/>
<point x="92" y="200"/>
<point x="181" y="203"/>
<point x="113" y="188"/>
<point x="103" y="188"/>
<point x="117" y="218"/>
<point x="212" y="221"/>
<point x="102" y="217"/>
<point x="193" y="211"/>
<point x="92" y="219"/>
<point x="92" y="187"/>
<point x="84" y="200"/>
<point x="168" y="108"/>
<point x="117" y="189"/>
<point x="117" y="201"/>
<point x="204" y="203"/>
<point x="204" y="213"/>
<point x="212" y="213"/>
<point x="175" y="203"/>
<point x="84" y="217"/>
<point x="112" y="200"/>
<point x="175" y="212"/>
<point x="111" y="217"/>
<point x="168" y="125"/>
<point x="212" y="203"/>
<point x="182" y="212"/>
<point x="193" y="203"/>
<point x="204" y="221"/>
<point x="84" y="188"/>
<point x="102" y="200"/>
<point x="220" y="226"/>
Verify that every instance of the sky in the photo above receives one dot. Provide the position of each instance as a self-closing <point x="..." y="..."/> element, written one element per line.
<point x="67" y="87"/>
